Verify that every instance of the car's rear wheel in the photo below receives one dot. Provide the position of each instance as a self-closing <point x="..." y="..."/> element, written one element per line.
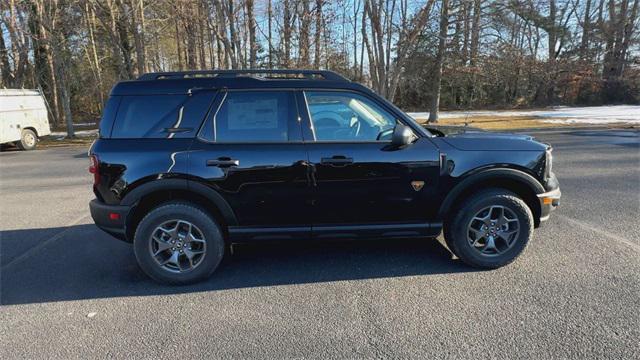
<point x="28" y="140"/>
<point x="178" y="243"/>
<point x="491" y="229"/>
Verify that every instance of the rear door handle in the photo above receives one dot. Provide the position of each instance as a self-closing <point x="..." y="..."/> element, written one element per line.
<point x="337" y="160"/>
<point x="223" y="162"/>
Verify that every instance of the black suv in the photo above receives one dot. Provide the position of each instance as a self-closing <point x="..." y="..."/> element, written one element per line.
<point x="188" y="163"/>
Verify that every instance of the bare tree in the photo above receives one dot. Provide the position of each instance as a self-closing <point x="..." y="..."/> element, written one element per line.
<point x="620" y="28"/>
<point x="385" y="76"/>
<point x="52" y="19"/>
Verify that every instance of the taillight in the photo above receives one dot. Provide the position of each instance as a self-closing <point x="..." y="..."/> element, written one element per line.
<point x="93" y="169"/>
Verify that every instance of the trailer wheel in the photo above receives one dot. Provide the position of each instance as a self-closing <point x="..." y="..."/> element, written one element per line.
<point x="28" y="140"/>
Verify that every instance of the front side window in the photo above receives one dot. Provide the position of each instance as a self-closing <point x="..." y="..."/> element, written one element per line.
<point x="253" y="116"/>
<point x="344" y="116"/>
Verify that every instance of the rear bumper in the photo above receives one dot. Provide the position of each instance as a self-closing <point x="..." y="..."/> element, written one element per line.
<point x="110" y="218"/>
<point x="549" y="201"/>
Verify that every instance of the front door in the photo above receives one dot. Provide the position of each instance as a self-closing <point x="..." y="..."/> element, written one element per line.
<point x="250" y="151"/>
<point x="362" y="184"/>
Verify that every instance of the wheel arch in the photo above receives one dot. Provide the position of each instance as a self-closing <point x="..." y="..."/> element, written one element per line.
<point x="145" y="197"/>
<point x="522" y="184"/>
<point x="35" y="131"/>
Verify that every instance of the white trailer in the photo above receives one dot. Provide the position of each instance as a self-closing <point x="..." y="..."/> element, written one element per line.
<point x="23" y="117"/>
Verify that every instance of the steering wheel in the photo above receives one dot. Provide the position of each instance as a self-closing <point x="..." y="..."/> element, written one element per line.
<point x="326" y="123"/>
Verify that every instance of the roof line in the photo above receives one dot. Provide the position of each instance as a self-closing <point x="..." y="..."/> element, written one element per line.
<point x="280" y="74"/>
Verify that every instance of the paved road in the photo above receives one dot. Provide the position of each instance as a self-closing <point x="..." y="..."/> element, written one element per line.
<point x="68" y="290"/>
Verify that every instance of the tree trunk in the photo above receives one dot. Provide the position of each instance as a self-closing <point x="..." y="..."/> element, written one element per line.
<point x="444" y="23"/>
<point x="552" y="32"/>
<point x="303" y="45"/>
<point x="269" y="35"/>
<point x="202" y="48"/>
<point x="286" y="35"/>
<point x="235" y="39"/>
<point x="93" y="56"/>
<point x="475" y="32"/>
<point x="251" y="24"/>
<point x="318" y="33"/>
<point x="125" y="46"/>
<point x="178" y="47"/>
<point x="137" y="28"/>
<point x="5" y="67"/>
<point x="628" y="34"/>
<point x="586" y="31"/>
<point x="66" y="99"/>
<point x="356" y="11"/>
<point x="466" y="28"/>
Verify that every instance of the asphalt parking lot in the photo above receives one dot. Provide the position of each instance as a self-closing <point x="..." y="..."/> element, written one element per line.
<point x="70" y="291"/>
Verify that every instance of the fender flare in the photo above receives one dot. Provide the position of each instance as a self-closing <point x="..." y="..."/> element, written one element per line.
<point x="133" y="197"/>
<point x="503" y="173"/>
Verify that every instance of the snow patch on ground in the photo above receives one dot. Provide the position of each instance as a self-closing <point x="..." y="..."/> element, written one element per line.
<point x="629" y="114"/>
<point x="80" y="133"/>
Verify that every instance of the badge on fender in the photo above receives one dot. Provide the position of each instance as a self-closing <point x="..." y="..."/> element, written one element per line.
<point x="417" y="185"/>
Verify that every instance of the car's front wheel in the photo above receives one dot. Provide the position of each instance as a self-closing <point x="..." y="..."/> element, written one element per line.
<point x="491" y="229"/>
<point x="178" y="243"/>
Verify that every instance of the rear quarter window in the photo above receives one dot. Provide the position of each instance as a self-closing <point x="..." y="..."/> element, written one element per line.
<point x="108" y="115"/>
<point x="154" y="116"/>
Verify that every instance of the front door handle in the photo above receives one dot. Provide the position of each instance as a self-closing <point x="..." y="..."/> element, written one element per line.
<point x="337" y="160"/>
<point x="223" y="162"/>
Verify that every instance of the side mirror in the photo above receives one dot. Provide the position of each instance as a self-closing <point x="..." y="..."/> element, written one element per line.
<point x="402" y="136"/>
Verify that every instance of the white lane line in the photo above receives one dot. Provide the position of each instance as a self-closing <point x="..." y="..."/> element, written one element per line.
<point x="604" y="233"/>
<point x="25" y="255"/>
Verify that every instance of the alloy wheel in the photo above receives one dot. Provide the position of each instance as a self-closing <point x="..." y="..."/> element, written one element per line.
<point x="177" y="246"/>
<point x="493" y="230"/>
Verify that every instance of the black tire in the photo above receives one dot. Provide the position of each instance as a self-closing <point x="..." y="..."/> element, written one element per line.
<point x="210" y="230"/>
<point x="456" y="229"/>
<point x="28" y="140"/>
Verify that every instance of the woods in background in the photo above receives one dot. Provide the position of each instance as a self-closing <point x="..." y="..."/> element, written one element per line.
<point x="423" y="55"/>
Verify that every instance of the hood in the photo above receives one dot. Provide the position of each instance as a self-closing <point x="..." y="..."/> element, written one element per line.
<point x="469" y="139"/>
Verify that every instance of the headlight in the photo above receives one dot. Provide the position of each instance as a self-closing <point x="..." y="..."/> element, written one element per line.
<point x="548" y="163"/>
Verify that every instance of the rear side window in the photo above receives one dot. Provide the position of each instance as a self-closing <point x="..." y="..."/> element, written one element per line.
<point x="160" y="116"/>
<point x="252" y="116"/>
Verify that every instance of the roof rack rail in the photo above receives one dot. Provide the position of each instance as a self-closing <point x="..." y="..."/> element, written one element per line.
<point x="256" y="73"/>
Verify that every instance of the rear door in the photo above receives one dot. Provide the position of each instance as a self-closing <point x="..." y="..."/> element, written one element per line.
<point x="251" y="152"/>
<point x="363" y="185"/>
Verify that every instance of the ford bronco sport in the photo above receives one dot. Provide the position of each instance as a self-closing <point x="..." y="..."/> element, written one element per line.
<point x="187" y="163"/>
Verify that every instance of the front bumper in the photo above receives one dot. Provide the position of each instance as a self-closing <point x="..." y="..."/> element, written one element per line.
<point x="549" y="201"/>
<point x="110" y="218"/>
